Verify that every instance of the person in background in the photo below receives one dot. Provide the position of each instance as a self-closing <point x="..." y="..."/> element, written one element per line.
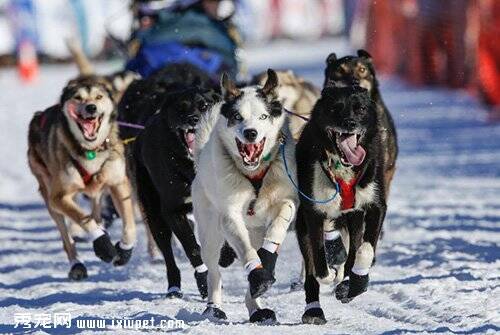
<point x="199" y="32"/>
<point x="488" y="55"/>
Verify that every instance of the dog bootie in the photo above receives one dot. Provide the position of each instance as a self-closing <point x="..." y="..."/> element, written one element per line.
<point x="357" y="284"/>
<point x="124" y="254"/>
<point x="201" y="282"/>
<point x="78" y="272"/>
<point x="354" y="286"/>
<point x="335" y="252"/>
<point x="213" y="312"/>
<point x="260" y="280"/>
<point x="104" y="249"/>
<point x="227" y="255"/>
<point x="268" y="259"/>
<point x="174" y="292"/>
<point x="314" y="316"/>
<point x="265" y="316"/>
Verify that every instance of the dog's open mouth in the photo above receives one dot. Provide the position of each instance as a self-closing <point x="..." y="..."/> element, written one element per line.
<point x="352" y="153"/>
<point x="89" y="126"/>
<point x="251" y="152"/>
<point x="189" y="137"/>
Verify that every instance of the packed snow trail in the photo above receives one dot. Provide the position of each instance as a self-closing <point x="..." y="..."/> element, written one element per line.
<point x="437" y="266"/>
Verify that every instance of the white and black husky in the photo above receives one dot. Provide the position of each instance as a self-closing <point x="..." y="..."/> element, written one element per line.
<point x="241" y="192"/>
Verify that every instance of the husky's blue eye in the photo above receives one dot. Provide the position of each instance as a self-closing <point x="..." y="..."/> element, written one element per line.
<point x="263" y="117"/>
<point x="238" y="117"/>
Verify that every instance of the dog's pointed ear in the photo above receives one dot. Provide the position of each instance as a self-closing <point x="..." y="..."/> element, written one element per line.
<point x="331" y="58"/>
<point x="364" y="54"/>
<point x="228" y="88"/>
<point x="271" y="83"/>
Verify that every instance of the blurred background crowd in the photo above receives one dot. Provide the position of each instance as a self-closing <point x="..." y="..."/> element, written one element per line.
<point x="450" y="43"/>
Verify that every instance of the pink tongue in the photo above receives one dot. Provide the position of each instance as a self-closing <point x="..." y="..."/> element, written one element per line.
<point x="250" y="150"/>
<point x="190" y="140"/>
<point x="354" y="153"/>
<point x="89" y="127"/>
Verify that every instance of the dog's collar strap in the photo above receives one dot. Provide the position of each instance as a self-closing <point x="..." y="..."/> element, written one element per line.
<point x="90" y="154"/>
<point x="86" y="176"/>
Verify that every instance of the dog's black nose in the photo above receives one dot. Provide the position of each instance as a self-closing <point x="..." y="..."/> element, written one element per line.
<point x="350" y="124"/>
<point x="91" y="108"/>
<point x="355" y="82"/>
<point x="250" y="134"/>
<point x="193" y="120"/>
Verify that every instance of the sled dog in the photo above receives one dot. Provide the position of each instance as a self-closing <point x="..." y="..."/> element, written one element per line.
<point x="339" y="152"/>
<point x="296" y="95"/>
<point x="73" y="147"/>
<point x="241" y="192"/>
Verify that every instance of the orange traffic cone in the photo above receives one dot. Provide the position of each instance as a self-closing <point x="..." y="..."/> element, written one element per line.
<point x="27" y="62"/>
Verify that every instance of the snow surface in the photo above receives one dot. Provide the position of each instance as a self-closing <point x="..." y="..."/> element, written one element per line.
<point x="437" y="267"/>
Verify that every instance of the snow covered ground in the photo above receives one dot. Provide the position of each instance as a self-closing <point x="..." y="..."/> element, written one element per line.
<point x="437" y="268"/>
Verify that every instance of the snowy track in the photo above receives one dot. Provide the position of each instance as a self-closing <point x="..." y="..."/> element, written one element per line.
<point x="437" y="267"/>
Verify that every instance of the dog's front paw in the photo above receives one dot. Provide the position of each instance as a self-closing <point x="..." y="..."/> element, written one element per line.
<point x="342" y="291"/>
<point x="357" y="284"/>
<point x="260" y="281"/>
<point x="263" y="316"/>
<point x="201" y="282"/>
<point x="268" y="259"/>
<point x="124" y="254"/>
<point x="78" y="272"/>
<point x="104" y="249"/>
<point x="314" y="316"/>
<point x="213" y="312"/>
<point x="174" y="292"/>
<point x="354" y="286"/>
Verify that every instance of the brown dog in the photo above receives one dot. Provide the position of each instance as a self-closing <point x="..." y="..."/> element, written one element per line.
<point x="74" y="147"/>
<point x="297" y="96"/>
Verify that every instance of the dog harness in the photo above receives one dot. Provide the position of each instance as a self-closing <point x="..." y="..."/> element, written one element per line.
<point x="43" y="120"/>
<point x="347" y="188"/>
<point x="347" y="193"/>
<point x="256" y="182"/>
<point x="86" y="176"/>
<point x="89" y="155"/>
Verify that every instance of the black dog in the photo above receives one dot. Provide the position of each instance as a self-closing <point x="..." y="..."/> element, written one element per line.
<point x="143" y="97"/>
<point x="351" y="70"/>
<point x="340" y="146"/>
<point x="163" y="169"/>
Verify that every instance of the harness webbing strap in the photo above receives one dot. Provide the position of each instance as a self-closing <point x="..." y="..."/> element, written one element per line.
<point x="86" y="176"/>
<point x="256" y="182"/>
